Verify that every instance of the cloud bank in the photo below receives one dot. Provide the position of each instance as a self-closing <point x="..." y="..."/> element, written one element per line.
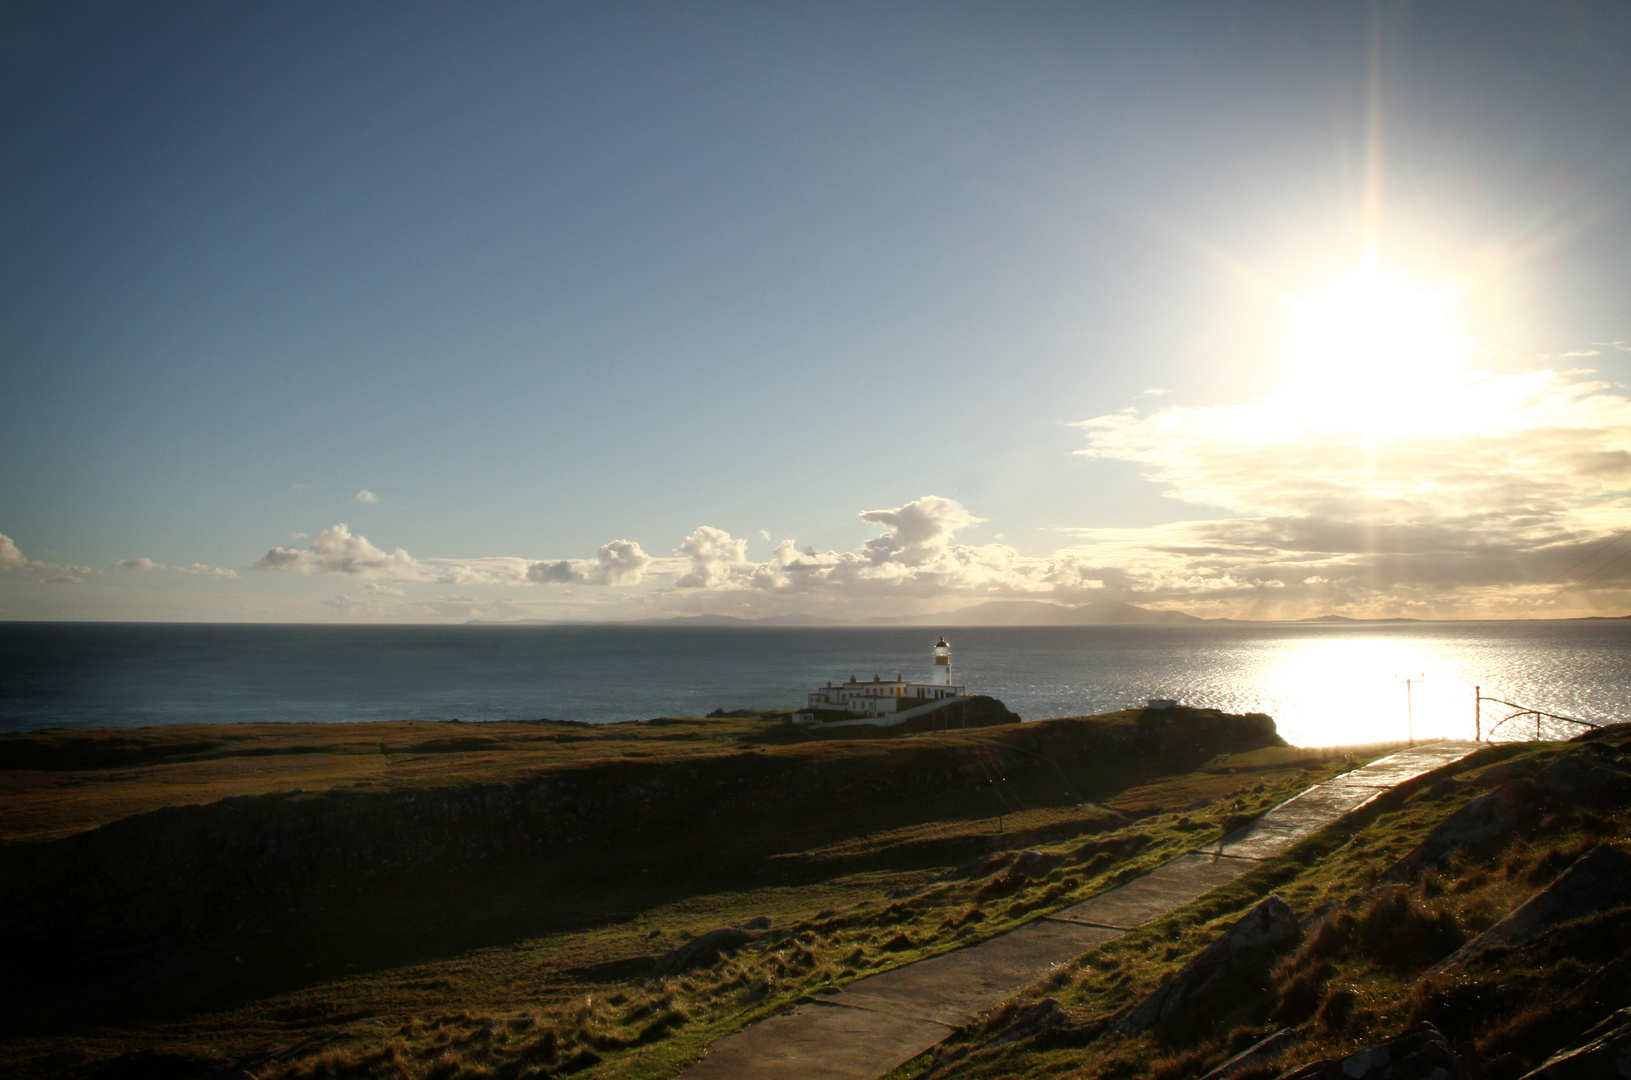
<point x="1488" y="490"/>
<point x="1475" y="497"/>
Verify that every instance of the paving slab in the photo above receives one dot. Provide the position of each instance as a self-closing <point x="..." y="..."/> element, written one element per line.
<point x="1158" y="892"/>
<point x="1409" y="764"/>
<point x="819" y="1042"/>
<point x="955" y="987"/>
<point x="1293" y="821"/>
<point x="1306" y="813"/>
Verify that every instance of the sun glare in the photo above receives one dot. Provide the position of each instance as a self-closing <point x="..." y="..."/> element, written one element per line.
<point x="1367" y="343"/>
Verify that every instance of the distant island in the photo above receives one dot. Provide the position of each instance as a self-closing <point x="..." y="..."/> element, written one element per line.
<point x="1034" y="613"/>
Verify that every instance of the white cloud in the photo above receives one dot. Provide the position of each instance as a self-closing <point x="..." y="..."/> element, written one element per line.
<point x="915" y="556"/>
<point x="716" y="559"/>
<point x="337" y="551"/>
<point x="766" y="534"/>
<point x="374" y="588"/>
<point x="13" y="559"/>
<point x="366" y="496"/>
<point x="492" y="570"/>
<point x="207" y="571"/>
<point x="620" y="562"/>
<point x="10" y="557"/>
<point x="197" y="569"/>
<point x="918" y="532"/>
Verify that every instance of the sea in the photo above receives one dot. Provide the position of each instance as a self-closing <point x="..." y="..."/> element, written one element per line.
<point x="1325" y="684"/>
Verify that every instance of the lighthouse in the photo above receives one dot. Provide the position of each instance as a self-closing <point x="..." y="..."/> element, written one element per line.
<point x="880" y="702"/>
<point x="940" y="673"/>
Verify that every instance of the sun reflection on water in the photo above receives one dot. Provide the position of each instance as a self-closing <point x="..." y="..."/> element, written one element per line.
<point x="1353" y="690"/>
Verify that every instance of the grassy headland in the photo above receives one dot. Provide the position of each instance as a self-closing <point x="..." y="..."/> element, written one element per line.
<point x="1377" y="952"/>
<point x="460" y="899"/>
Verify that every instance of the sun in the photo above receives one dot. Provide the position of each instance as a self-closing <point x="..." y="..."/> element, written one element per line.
<point x="1364" y="345"/>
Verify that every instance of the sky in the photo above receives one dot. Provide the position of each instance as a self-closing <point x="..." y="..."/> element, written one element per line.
<point x="430" y="313"/>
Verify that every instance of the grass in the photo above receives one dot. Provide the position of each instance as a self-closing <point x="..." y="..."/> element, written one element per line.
<point x="537" y="961"/>
<point x="1362" y="971"/>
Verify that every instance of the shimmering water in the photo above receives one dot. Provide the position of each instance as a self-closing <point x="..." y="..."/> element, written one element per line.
<point x="1323" y="683"/>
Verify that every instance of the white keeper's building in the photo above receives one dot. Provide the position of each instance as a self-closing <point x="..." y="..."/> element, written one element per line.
<point x="881" y="696"/>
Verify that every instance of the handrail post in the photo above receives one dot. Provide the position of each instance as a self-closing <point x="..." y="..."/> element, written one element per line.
<point x="1477" y="713"/>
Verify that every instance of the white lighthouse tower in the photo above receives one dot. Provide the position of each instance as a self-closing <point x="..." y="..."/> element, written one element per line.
<point x="940" y="674"/>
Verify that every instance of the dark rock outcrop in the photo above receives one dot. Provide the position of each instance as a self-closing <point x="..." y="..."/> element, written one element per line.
<point x="1597" y="881"/>
<point x="707" y="949"/>
<point x="1033" y="1021"/>
<point x="1590" y="779"/>
<point x="1603" y="1052"/>
<point x="1228" y="978"/>
<point x="1261" y="1051"/>
<point x="1477" y="826"/>
<point x="1034" y="864"/>
<point x="1422" y="1053"/>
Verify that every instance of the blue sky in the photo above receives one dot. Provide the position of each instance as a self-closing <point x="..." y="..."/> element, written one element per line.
<point x="541" y="279"/>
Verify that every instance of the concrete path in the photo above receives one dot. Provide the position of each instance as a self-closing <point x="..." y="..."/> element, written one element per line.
<point x="875" y="1024"/>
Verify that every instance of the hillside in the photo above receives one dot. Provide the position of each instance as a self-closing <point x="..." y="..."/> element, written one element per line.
<point x="438" y="878"/>
<point x="1473" y="925"/>
<point x="508" y="900"/>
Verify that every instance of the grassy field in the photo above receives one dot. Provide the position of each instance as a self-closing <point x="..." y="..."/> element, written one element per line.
<point x="1363" y="970"/>
<point x="458" y="900"/>
<point x="538" y="961"/>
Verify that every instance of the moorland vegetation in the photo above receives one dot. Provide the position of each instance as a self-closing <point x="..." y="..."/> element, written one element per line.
<point x="550" y="899"/>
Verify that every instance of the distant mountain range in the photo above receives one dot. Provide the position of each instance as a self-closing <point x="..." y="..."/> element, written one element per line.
<point x="1006" y="613"/>
<point x="991" y="613"/>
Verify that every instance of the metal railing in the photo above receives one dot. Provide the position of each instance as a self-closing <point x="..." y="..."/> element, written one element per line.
<point x="1520" y="712"/>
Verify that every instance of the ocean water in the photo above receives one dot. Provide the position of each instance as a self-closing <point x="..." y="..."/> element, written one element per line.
<point x="1324" y="684"/>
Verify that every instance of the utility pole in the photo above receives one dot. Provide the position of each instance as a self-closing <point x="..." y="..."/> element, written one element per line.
<point x="1409" y="710"/>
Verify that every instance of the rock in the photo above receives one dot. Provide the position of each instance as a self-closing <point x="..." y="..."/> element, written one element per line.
<point x="1508" y="772"/>
<point x="1596" y="881"/>
<point x="1585" y="778"/>
<point x="708" y="948"/>
<point x="1034" y="864"/>
<point x="1422" y="1053"/>
<point x="983" y="865"/>
<point x="1602" y="1052"/>
<point x="1033" y="1021"/>
<point x="1260" y="1051"/>
<point x="1228" y="976"/>
<point x="1478" y="825"/>
<point x="1607" y="989"/>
